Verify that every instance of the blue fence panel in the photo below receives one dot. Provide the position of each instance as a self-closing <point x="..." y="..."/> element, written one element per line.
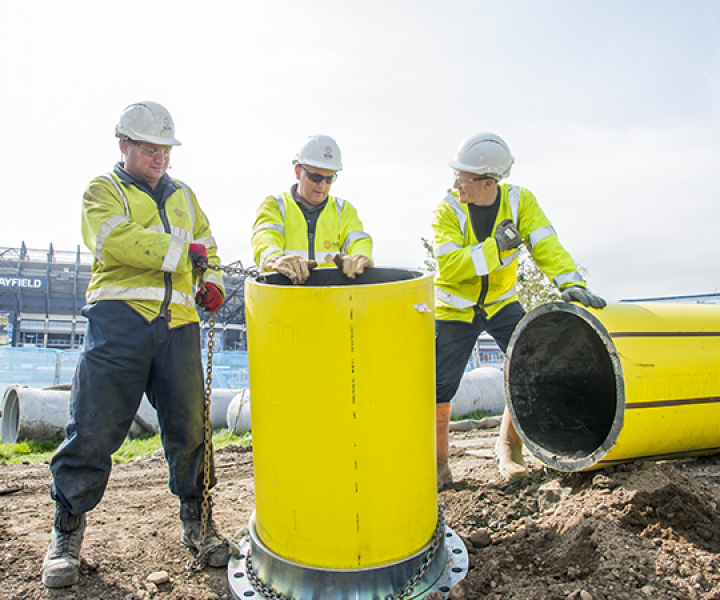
<point x="43" y="367"/>
<point x="229" y="370"/>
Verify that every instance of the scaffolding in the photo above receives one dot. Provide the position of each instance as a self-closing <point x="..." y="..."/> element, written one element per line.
<point x="42" y="293"/>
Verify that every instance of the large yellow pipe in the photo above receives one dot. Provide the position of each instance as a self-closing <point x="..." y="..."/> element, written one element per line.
<point x="343" y="409"/>
<point x="588" y="389"/>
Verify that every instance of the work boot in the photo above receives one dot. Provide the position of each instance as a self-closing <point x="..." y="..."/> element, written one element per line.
<point x="510" y="459"/>
<point x="216" y="547"/>
<point x="442" y="425"/>
<point x="61" y="567"/>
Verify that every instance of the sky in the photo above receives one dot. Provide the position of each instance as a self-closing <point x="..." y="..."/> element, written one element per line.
<point x="611" y="109"/>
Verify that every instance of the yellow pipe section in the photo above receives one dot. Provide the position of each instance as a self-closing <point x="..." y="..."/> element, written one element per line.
<point x="342" y="380"/>
<point x="634" y="381"/>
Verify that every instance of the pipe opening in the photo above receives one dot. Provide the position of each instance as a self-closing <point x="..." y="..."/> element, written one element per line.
<point x="334" y="277"/>
<point x="10" y="420"/>
<point x="563" y="388"/>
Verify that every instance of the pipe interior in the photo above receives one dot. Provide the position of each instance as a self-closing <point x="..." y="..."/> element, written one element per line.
<point x="562" y="386"/>
<point x="10" y="420"/>
<point x="334" y="277"/>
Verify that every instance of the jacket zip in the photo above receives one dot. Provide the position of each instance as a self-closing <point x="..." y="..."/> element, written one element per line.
<point x="164" y="308"/>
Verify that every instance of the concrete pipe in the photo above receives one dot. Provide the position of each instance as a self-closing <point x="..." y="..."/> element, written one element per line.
<point x="480" y="389"/>
<point x="42" y="414"/>
<point x="345" y="499"/>
<point x="635" y="381"/>
<point x="238" y="412"/>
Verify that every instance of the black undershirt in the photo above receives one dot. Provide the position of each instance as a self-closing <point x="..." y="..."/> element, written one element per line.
<point x="482" y="218"/>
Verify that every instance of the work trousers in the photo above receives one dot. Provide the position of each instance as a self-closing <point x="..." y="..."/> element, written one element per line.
<point x="454" y="342"/>
<point x="123" y="357"/>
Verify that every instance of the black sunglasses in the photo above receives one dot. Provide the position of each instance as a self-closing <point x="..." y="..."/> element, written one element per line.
<point x="317" y="178"/>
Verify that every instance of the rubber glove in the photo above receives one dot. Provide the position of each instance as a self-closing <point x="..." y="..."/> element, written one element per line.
<point x="209" y="297"/>
<point x="198" y="256"/>
<point x="295" y="268"/>
<point x="507" y="236"/>
<point x="352" y="265"/>
<point x="577" y="293"/>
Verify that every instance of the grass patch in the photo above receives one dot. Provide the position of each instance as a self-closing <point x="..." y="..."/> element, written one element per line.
<point x="476" y="415"/>
<point x="41" y="451"/>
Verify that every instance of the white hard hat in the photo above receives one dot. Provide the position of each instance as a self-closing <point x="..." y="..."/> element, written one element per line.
<point x="147" y="122"/>
<point x="320" y="151"/>
<point x="484" y="154"/>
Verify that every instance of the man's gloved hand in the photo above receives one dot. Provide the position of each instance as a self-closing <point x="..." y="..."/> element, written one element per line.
<point x="198" y="256"/>
<point x="209" y="297"/>
<point x="507" y="236"/>
<point x="352" y="265"/>
<point x="295" y="268"/>
<point x="577" y="293"/>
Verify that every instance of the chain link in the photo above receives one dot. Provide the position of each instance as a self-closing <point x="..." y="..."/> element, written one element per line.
<point x="253" y="272"/>
<point x="425" y="565"/>
<point x="268" y="592"/>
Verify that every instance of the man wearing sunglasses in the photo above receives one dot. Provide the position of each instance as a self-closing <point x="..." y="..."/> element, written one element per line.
<point x="478" y="229"/>
<point x="306" y="227"/>
<point x="151" y="241"/>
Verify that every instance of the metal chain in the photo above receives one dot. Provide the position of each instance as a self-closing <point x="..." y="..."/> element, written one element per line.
<point x="253" y="272"/>
<point x="259" y="585"/>
<point x="207" y="454"/>
<point x="201" y="558"/>
<point x="268" y="592"/>
<point x="425" y="565"/>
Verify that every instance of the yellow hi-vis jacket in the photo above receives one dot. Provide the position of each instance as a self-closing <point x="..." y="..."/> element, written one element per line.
<point x="472" y="272"/>
<point x="141" y="251"/>
<point x="280" y="228"/>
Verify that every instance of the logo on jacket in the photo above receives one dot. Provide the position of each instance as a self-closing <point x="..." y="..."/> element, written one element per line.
<point x="180" y="213"/>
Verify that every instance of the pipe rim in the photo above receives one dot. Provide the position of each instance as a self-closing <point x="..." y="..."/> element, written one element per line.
<point x="332" y="277"/>
<point x="566" y="463"/>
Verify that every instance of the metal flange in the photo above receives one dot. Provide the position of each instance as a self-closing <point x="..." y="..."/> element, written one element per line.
<point x="257" y="572"/>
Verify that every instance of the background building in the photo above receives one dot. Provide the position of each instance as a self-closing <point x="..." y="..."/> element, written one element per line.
<point x="43" y="291"/>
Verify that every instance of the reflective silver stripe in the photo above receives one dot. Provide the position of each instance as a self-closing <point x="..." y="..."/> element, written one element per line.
<point x="112" y="292"/>
<point x="514" y="198"/>
<point x="353" y="236"/>
<point x="459" y="213"/>
<point x="109" y="178"/>
<point x="452" y="299"/>
<point x="271" y="227"/>
<point x="572" y="277"/>
<point x="462" y="303"/>
<point x="212" y="277"/>
<point x="301" y="253"/>
<point x="281" y="205"/>
<point x="446" y="248"/>
<point x="207" y="241"/>
<point x="270" y="251"/>
<point x="541" y="234"/>
<point x="509" y="294"/>
<point x="508" y="260"/>
<point x="340" y="203"/>
<point x="191" y="208"/>
<point x="182" y="233"/>
<point x="104" y="231"/>
<point x="478" y="258"/>
<point x="174" y="254"/>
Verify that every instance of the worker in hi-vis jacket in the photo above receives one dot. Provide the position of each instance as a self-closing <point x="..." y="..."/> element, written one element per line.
<point x="306" y="227"/>
<point x="150" y="241"/>
<point x="477" y="231"/>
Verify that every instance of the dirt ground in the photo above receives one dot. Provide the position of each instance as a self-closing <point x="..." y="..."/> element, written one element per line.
<point x="644" y="530"/>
